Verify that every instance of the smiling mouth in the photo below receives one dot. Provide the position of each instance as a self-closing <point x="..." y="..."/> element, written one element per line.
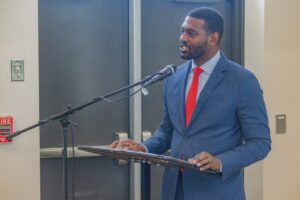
<point x="184" y="48"/>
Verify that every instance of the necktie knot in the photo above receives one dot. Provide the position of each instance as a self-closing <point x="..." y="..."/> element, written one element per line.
<point x="197" y="70"/>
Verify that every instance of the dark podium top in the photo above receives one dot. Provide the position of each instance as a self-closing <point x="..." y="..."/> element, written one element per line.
<point x="141" y="157"/>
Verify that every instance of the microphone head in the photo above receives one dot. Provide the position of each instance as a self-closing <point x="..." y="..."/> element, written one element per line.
<point x="172" y="67"/>
<point x="162" y="74"/>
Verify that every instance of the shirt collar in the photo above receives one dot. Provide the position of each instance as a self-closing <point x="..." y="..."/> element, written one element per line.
<point x="210" y="65"/>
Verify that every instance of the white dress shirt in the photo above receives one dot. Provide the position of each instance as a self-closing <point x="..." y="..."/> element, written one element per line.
<point x="208" y="68"/>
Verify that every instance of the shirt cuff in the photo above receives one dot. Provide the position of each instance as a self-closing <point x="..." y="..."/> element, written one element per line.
<point x="145" y="148"/>
<point x="221" y="166"/>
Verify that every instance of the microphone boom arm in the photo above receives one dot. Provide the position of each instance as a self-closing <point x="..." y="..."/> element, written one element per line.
<point x="149" y="80"/>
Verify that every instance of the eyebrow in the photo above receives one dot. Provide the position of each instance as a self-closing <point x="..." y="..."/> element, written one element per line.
<point x="188" y="29"/>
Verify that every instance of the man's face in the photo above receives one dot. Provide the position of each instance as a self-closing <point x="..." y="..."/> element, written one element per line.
<point x="193" y="39"/>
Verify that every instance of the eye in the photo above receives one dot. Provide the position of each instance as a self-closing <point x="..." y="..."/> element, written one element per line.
<point x="192" y="33"/>
<point x="189" y="32"/>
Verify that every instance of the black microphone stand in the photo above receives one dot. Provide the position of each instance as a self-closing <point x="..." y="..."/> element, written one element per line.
<point x="63" y="117"/>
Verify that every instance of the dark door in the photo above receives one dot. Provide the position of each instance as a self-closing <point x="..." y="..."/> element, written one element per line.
<point x="83" y="51"/>
<point x="161" y="21"/>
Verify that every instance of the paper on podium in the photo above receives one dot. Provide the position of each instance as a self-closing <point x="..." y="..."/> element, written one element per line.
<point x="141" y="157"/>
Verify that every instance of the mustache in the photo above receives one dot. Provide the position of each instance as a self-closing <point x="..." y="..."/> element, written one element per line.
<point x="184" y="43"/>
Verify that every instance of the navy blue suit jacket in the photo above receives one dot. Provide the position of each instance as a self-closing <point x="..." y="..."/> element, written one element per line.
<point x="230" y="122"/>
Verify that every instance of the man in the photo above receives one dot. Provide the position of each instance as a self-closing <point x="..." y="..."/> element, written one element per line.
<point x="214" y="117"/>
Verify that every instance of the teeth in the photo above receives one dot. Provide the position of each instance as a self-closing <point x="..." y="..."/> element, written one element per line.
<point x="184" y="48"/>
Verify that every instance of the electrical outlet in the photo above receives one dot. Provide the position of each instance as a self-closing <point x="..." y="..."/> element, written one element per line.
<point x="17" y="70"/>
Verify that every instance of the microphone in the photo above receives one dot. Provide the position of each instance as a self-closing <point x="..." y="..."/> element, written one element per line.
<point x="162" y="74"/>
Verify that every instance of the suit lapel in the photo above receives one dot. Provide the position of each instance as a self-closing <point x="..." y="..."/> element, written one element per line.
<point x="214" y="79"/>
<point x="186" y="70"/>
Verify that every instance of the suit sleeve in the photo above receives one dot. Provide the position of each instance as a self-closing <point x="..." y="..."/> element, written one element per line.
<point x="253" y="120"/>
<point x="161" y="140"/>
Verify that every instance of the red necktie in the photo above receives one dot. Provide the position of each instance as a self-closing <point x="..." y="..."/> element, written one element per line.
<point x="192" y="96"/>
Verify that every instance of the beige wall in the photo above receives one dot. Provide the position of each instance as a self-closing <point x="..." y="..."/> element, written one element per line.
<point x="254" y="61"/>
<point x="272" y="46"/>
<point x="281" y="82"/>
<point x="19" y="40"/>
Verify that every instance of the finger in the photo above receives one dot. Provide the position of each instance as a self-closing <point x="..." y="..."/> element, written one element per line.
<point x="194" y="159"/>
<point x="213" y="164"/>
<point x="121" y="145"/>
<point x="137" y="147"/>
<point x="206" y="166"/>
<point x="201" y="158"/>
<point x="203" y="162"/>
<point x="134" y="147"/>
<point x="114" y="144"/>
<point x="125" y="144"/>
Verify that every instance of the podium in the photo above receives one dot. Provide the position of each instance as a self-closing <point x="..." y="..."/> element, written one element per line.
<point x="142" y="157"/>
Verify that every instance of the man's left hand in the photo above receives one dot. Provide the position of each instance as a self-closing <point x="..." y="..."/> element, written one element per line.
<point x="206" y="161"/>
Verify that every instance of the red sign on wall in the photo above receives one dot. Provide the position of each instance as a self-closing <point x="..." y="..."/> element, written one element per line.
<point x="6" y="128"/>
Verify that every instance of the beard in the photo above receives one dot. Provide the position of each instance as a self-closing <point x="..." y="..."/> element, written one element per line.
<point x="194" y="52"/>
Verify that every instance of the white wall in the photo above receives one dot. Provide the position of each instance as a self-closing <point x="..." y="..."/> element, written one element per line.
<point x="282" y="81"/>
<point x="20" y="159"/>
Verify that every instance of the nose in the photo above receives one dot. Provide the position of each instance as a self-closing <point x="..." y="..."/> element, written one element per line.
<point x="183" y="37"/>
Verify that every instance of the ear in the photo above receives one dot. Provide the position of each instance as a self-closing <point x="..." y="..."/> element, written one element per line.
<point x="214" y="39"/>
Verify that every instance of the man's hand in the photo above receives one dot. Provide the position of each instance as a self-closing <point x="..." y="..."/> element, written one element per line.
<point x="127" y="144"/>
<point x="206" y="161"/>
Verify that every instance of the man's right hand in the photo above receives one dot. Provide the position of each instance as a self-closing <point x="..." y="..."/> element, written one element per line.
<point x="127" y="144"/>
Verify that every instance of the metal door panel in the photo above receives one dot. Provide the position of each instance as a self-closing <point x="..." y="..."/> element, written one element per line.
<point x="83" y="49"/>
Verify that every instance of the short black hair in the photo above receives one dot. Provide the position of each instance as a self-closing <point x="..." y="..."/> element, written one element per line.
<point x="213" y="19"/>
